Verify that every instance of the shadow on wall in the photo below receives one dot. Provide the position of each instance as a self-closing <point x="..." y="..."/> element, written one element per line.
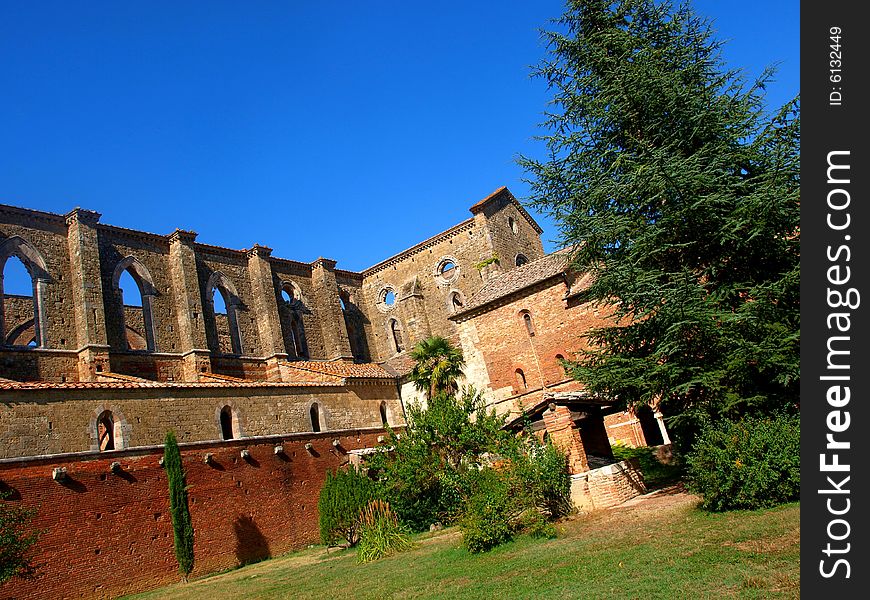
<point x="251" y="545"/>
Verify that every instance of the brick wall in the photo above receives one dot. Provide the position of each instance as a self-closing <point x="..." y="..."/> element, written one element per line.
<point x="607" y="486"/>
<point x="501" y="336"/>
<point x="624" y="428"/>
<point x="110" y="534"/>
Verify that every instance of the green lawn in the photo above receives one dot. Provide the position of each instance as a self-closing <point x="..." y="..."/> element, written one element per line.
<point x="660" y="547"/>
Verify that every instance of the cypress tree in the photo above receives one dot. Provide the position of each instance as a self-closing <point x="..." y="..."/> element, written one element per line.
<point x="680" y="194"/>
<point x="181" y="523"/>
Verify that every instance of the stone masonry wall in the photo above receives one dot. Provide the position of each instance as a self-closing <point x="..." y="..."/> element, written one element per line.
<point x="108" y="534"/>
<point x="423" y="296"/>
<point x="59" y="420"/>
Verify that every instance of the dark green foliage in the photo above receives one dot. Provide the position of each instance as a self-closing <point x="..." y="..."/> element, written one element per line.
<point x="655" y="473"/>
<point x="520" y="494"/>
<point x="17" y="537"/>
<point x="680" y="195"/>
<point x="490" y="512"/>
<point x="344" y="494"/>
<point x="438" y="366"/>
<point x="182" y="525"/>
<point x="747" y="464"/>
<point x="425" y="478"/>
<point x="380" y="533"/>
<point x="540" y="471"/>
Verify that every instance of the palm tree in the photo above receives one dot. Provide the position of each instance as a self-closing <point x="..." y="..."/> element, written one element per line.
<point x="439" y="365"/>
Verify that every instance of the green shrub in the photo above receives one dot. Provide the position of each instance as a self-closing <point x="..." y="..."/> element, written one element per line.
<point x="182" y="526"/>
<point x="343" y="495"/>
<point x="541" y="471"/>
<point x="747" y="464"/>
<point x="380" y="532"/>
<point x="488" y="519"/>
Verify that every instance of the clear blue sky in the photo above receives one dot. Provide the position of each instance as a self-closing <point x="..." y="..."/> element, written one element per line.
<point x="350" y="130"/>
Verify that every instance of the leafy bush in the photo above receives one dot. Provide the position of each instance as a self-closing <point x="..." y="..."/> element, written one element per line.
<point x="182" y="526"/>
<point x="426" y="477"/>
<point x="344" y="494"/>
<point x="747" y="464"/>
<point x="488" y="519"/>
<point x="16" y="539"/>
<point x="380" y="532"/>
<point x="541" y="471"/>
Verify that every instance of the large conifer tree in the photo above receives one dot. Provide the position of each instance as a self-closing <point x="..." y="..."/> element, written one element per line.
<point x="680" y="194"/>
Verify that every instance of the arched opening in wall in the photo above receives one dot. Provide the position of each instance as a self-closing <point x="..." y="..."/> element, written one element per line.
<point x="527" y="322"/>
<point x="224" y="304"/>
<point x="342" y="303"/>
<point x="21" y="291"/>
<point x="134" y="322"/>
<point x="652" y="433"/>
<point x="560" y="361"/>
<point x="227" y="423"/>
<point x="521" y="260"/>
<point x="513" y="225"/>
<point x="287" y="293"/>
<point x="297" y="332"/>
<point x="395" y="330"/>
<point x="457" y="302"/>
<point x="383" y="411"/>
<point x="314" y="414"/>
<point x="520" y="380"/>
<point x="106" y="431"/>
<point x="134" y="290"/>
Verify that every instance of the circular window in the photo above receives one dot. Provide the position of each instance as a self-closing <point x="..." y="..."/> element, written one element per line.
<point x="447" y="270"/>
<point x="386" y="298"/>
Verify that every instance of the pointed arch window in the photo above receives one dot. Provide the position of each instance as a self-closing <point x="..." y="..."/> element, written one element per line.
<point x="28" y="275"/>
<point x="383" y="411"/>
<point x="527" y="322"/>
<point x="224" y="303"/>
<point x="395" y="331"/>
<point x="134" y="292"/>
<point x="520" y="379"/>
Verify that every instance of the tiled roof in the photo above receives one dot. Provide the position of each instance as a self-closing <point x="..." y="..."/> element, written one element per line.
<point x="399" y="365"/>
<point x="119" y="385"/>
<point x="342" y="369"/>
<point x="515" y="280"/>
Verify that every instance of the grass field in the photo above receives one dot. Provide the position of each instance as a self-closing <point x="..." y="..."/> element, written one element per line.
<point x="655" y="547"/>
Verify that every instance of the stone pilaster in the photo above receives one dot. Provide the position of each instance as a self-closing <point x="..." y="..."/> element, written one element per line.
<point x="412" y="311"/>
<point x="265" y="300"/>
<point x="87" y="293"/>
<point x="565" y="436"/>
<point x="188" y="304"/>
<point x="335" y="342"/>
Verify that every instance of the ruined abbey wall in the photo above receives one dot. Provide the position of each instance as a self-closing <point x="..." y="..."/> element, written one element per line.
<point x="108" y="533"/>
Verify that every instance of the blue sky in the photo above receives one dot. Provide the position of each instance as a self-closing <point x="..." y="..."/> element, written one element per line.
<point x="341" y="129"/>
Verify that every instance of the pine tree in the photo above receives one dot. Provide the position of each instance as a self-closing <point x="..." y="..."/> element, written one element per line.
<point x="681" y="195"/>
<point x="182" y="525"/>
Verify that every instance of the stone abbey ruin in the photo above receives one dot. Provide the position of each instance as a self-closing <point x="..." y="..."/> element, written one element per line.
<point x="270" y="371"/>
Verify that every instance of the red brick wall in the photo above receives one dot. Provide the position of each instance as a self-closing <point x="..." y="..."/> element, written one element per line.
<point x="558" y="329"/>
<point x="110" y="534"/>
<point x="624" y="428"/>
